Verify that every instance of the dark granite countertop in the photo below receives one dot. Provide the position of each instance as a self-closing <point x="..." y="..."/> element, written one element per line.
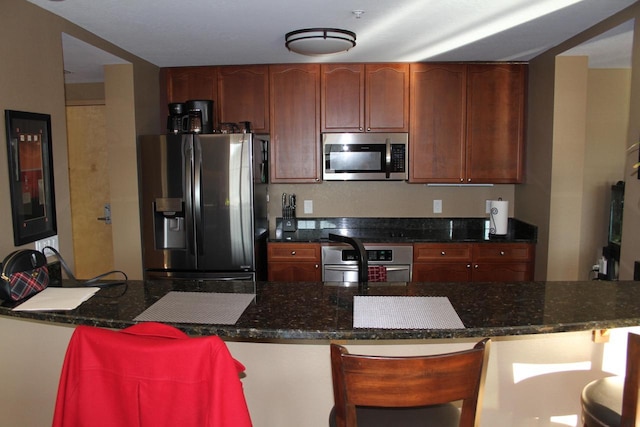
<point x="313" y="311"/>
<point x="404" y="230"/>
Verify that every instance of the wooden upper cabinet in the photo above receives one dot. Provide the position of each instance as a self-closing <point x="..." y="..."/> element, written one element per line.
<point x="365" y="97"/>
<point x="243" y="95"/>
<point x="438" y="108"/>
<point x="295" y="122"/>
<point x="387" y="97"/>
<point x="342" y="97"/>
<point x="467" y="123"/>
<point x="495" y="122"/>
<point x="185" y="83"/>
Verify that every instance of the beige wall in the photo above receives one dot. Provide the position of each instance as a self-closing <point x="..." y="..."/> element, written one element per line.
<point x="590" y="126"/>
<point x="387" y="199"/>
<point x="535" y="200"/>
<point x="605" y="158"/>
<point x="32" y="79"/>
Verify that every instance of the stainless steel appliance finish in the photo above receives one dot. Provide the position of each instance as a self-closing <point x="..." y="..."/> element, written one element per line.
<point x="365" y="156"/>
<point x="203" y="206"/>
<point x="339" y="262"/>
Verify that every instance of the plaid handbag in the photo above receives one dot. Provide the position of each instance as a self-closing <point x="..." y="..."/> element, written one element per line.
<point x="24" y="273"/>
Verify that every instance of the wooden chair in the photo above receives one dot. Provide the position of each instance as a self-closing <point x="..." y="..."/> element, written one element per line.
<point x="613" y="401"/>
<point x="408" y="391"/>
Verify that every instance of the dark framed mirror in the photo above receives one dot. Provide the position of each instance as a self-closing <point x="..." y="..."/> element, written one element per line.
<point x="30" y="176"/>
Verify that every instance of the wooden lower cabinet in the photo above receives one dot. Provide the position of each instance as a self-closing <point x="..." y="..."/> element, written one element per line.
<point x="473" y="262"/>
<point x="294" y="262"/>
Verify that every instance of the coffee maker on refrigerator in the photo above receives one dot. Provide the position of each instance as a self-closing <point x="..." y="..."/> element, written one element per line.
<point x="193" y="116"/>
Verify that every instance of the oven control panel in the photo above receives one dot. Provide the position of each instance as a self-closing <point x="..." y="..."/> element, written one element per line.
<point x="372" y="255"/>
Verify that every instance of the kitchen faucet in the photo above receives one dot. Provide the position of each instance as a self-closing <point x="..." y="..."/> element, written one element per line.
<point x="363" y="261"/>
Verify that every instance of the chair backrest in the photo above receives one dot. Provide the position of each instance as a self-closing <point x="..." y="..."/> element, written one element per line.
<point x="409" y="381"/>
<point x="630" y="415"/>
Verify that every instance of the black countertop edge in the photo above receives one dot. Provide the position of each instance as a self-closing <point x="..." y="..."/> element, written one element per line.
<point x="307" y="311"/>
<point x="404" y="230"/>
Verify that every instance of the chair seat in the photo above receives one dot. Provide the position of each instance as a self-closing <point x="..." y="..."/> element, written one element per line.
<point x="447" y="415"/>
<point x="602" y="402"/>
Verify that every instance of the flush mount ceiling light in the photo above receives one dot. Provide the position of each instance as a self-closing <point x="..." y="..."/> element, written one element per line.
<point x="320" y="41"/>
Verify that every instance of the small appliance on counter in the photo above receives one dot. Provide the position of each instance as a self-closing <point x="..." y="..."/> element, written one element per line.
<point x="289" y="221"/>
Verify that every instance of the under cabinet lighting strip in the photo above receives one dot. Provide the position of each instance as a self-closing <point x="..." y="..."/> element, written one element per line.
<point x="459" y="185"/>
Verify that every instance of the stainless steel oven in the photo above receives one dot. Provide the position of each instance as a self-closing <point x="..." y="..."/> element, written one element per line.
<point x="339" y="262"/>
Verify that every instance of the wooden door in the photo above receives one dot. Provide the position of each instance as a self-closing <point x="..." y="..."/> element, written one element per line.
<point x="495" y="122"/>
<point x="243" y="95"/>
<point x="342" y="97"/>
<point x="438" y="116"/>
<point x="295" y="123"/>
<point x="89" y="190"/>
<point x="387" y="97"/>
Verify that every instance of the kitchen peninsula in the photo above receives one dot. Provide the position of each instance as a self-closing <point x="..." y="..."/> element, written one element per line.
<point x="282" y="338"/>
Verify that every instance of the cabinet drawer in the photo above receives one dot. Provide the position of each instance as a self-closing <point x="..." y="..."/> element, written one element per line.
<point x="449" y="252"/>
<point x="293" y="251"/>
<point x="502" y="252"/>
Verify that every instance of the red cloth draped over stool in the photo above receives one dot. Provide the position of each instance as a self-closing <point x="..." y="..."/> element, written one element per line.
<point x="149" y="374"/>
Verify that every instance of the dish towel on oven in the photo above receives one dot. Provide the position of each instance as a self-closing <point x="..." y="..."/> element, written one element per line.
<point x="385" y="312"/>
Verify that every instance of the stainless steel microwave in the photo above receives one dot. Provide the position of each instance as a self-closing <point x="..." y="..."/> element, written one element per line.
<point x="365" y="156"/>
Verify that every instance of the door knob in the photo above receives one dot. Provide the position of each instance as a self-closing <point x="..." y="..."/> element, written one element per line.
<point x="107" y="214"/>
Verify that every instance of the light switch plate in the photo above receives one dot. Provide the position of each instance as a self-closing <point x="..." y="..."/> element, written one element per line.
<point x="437" y="206"/>
<point x="308" y="206"/>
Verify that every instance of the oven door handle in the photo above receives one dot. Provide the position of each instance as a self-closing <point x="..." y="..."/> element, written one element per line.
<point x="337" y="267"/>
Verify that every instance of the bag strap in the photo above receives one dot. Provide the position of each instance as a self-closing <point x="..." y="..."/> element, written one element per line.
<point x="88" y="282"/>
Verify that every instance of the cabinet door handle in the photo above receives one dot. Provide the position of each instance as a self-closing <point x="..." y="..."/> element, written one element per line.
<point x="468" y="265"/>
<point x="293" y="253"/>
<point x="443" y="253"/>
<point x="501" y="253"/>
<point x="475" y="266"/>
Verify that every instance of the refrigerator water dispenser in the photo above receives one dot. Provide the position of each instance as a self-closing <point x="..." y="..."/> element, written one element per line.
<point x="169" y="224"/>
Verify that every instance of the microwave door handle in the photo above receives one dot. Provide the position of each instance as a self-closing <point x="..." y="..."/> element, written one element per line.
<point x="388" y="159"/>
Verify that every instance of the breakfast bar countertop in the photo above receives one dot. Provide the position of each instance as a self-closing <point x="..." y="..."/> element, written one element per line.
<point x="317" y="312"/>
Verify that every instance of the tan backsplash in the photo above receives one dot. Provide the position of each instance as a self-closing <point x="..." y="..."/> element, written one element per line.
<point x="387" y="199"/>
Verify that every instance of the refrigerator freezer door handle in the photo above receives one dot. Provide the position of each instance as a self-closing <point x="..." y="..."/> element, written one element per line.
<point x="197" y="195"/>
<point x="187" y="158"/>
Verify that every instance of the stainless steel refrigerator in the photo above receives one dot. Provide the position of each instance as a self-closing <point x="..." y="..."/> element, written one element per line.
<point x="203" y="202"/>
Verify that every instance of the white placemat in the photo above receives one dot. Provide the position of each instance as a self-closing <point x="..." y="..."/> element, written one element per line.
<point x="405" y="313"/>
<point x="197" y="307"/>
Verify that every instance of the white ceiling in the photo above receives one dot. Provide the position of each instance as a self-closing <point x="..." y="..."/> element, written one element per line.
<point x="207" y="32"/>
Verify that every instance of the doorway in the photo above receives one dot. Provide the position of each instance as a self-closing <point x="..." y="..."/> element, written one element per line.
<point x="89" y="190"/>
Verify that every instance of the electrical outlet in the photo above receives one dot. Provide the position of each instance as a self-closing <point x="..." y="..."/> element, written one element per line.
<point x="437" y="206"/>
<point x="49" y="241"/>
<point x="308" y="206"/>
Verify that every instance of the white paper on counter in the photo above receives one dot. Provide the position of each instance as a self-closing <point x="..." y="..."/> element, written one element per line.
<point x="51" y="299"/>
